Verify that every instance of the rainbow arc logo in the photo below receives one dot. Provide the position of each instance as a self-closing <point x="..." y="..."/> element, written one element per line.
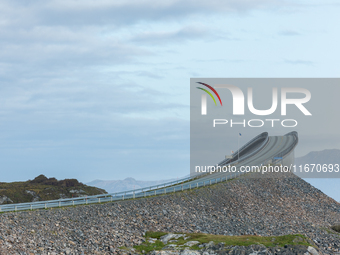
<point x="209" y="93"/>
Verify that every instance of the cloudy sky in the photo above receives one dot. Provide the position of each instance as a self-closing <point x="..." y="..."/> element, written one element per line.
<point x="100" y="89"/>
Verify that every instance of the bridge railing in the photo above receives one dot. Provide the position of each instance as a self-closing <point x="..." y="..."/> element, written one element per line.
<point x="164" y="188"/>
<point x="119" y="196"/>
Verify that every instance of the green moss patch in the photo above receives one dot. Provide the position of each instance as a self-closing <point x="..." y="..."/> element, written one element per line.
<point x="269" y="241"/>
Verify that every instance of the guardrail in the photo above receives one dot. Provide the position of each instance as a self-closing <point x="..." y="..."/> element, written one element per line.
<point x="169" y="187"/>
<point x="114" y="196"/>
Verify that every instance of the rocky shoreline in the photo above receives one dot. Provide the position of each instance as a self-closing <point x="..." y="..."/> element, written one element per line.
<point x="246" y="206"/>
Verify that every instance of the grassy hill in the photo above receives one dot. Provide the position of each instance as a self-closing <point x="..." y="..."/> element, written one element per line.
<point x="43" y="188"/>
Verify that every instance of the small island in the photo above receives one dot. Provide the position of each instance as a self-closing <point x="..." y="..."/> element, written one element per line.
<point x="42" y="188"/>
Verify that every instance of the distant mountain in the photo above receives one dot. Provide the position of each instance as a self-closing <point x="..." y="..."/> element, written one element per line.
<point x="126" y="184"/>
<point x="42" y="188"/>
<point x="331" y="156"/>
<point x="330" y="185"/>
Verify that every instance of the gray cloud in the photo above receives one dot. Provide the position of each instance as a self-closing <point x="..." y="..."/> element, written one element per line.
<point x="182" y="34"/>
<point x="149" y="75"/>
<point x="187" y="33"/>
<point x="79" y="49"/>
<point x="79" y="94"/>
<point x="68" y="34"/>
<point x="234" y="61"/>
<point x="289" y="33"/>
<point x="83" y="102"/>
<point x="298" y="62"/>
<point x="72" y="13"/>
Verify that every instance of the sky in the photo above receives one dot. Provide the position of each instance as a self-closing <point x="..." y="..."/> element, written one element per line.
<point x="100" y="89"/>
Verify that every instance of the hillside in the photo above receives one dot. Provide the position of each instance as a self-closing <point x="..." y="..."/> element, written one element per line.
<point x="330" y="156"/>
<point x="330" y="185"/>
<point x="285" y="205"/>
<point x="43" y="188"/>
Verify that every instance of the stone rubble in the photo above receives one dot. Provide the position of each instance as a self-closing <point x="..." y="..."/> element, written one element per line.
<point x="238" y="250"/>
<point x="246" y="206"/>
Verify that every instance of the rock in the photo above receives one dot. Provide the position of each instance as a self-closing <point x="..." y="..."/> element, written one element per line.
<point x="152" y="240"/>
<point x="170" y="247"/>
<point x="210" y="244"/>
<point x="30" y="192"/>
<point x="5" y="199"/>
<point x="190" y="252"/>
<point x="169" y="236"/>
<point x="286" y="205"/>
<point x="312" y="250"/>
<point x="165" y="253"/>
<point x="34" y="195"/>
<point x="191" y="243"/>
<point x="77" y="191"/>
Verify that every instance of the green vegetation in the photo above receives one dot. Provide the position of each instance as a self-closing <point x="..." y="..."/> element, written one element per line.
<point x="331" y="230"/>
<point x="43" y="188"/>
<point x="246" y="240"/>
<point x="155" y="234"/>
<point x="336" y="228"/>
<point x="148" y="247"/>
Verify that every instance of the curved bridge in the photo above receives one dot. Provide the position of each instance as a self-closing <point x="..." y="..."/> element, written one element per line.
<point x="261" y="150"/>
